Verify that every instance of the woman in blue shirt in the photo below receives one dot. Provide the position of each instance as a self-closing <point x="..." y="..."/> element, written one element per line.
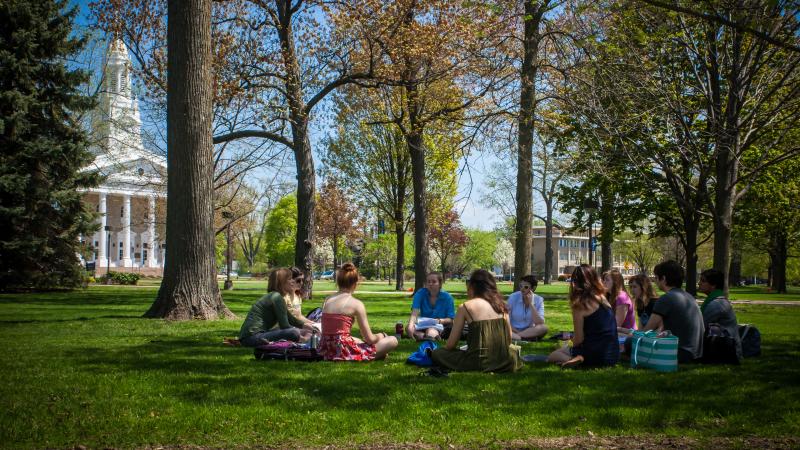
<point x="431" y="310"/>
<point x="526" y="311"/>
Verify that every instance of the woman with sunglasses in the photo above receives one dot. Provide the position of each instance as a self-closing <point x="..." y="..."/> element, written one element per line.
<point x="269" y="318"/>
<point x="295" y="306"/>
<point x="526" y="311"/>
<point x="489" y="347"/>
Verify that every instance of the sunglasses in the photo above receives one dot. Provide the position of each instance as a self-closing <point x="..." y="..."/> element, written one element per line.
<point x="524" y="287"/>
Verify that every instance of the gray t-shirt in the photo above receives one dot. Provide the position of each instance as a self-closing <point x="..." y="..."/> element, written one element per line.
<point x="721" y="312"/>
<point x="682" y="317"/>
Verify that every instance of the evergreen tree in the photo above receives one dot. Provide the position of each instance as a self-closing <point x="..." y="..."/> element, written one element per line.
<point x="43" y="147"/>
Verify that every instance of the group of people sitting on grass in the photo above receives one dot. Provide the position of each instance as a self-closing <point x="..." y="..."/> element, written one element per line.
<point x="602" y="311"/>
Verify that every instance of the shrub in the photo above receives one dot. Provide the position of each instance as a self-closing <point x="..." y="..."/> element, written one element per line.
<point x="562" y="277"/>
<point x="123" y="278"/>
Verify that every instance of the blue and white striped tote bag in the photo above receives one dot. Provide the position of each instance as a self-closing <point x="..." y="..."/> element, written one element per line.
<point x="651" y="352"/>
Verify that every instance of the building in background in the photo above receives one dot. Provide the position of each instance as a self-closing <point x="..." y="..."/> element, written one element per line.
<point x="131" y="199"/>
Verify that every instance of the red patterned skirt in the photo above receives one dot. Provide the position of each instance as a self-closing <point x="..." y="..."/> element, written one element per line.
<point x="340" y="347"/>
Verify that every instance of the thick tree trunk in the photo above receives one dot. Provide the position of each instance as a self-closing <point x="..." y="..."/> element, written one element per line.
<point x="527" y="109"/>
<point x="417" y="151"/>
<point x="400" y="265"/>
<point x="306" y="203"/>
<point x="778" y="254"/>
<point x="189" y="289"/>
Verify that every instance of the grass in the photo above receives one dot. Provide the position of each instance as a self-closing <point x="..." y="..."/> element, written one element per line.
<point x="83" y="368"/>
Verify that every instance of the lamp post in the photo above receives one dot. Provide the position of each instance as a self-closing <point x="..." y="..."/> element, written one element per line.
<point x="590" y="206"/>
<point x="229" y="217"/>
<point x="108" y="253"/>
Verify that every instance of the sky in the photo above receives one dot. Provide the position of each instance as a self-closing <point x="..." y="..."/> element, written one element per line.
<point x="470" y="188"/>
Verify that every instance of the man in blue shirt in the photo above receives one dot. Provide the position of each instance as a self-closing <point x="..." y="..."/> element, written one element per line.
<point x="432" y="309"/>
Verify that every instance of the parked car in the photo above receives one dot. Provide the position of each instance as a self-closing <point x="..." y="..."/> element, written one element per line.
<point x="327" y="275"/>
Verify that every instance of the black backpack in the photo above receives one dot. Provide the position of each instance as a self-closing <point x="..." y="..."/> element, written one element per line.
<point x="751" y="340"/>
<point x="719" y="347"/>
<point x="287" y="351"/>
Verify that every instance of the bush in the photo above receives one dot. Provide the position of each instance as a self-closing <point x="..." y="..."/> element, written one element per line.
<point x="123" y="278"/>
<point x="562" y="277"/>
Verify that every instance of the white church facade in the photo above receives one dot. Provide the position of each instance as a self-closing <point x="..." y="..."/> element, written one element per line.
<point x="131" y="199"/>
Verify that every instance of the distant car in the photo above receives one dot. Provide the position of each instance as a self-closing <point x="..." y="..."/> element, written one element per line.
<point x="327" y="275"/>
<point x="224" y="274"/>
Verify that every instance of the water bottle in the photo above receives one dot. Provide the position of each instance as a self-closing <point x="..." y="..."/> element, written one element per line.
<point x="398" y="330"/>
<point x="314" y="342"/>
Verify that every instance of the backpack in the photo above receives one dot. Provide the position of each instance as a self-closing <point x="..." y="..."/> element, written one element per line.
<point x="287" y="351"/>
<point x="421" y="357"/>
<point x="719" y="347"/>
<point x="751" y="340"/>
<point x="315" y="315"/>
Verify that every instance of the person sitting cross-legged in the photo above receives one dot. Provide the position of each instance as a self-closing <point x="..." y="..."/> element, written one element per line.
<point x="526" y="311"/>
<point x="489" y="347"/>
<point x="716" y="308"/>
<point x="595" y="341"/>
<point x="269" y="318"/>
<point x="677" y="311"/>
<point x="432" y="308"/>
<point x="338" y="313"/>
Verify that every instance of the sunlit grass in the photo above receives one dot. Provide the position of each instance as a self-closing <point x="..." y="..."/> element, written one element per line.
<point x="84" y="368"/>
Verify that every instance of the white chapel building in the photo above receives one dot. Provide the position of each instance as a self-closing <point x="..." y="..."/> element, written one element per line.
<point x="131" y="200"/>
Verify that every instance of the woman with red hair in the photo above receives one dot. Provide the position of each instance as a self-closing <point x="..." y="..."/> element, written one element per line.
<point x="595" y="341"/>
<point x="338" y="313"/>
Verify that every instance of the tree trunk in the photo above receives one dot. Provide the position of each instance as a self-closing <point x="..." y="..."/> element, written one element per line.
<point x="527" y="109"/>
<point x="735" y="271"/>
<point x="606" y="234"/>
<point x="548" y="245"/>
<point x="400" y="265"/>
<point x="304" y="160"/>
<point x="415" y="147"/>
<point x="692" y="227"/>
<point x="335" y="251"/>
<point x="778" y="254"/>
<point x="189" y="289"/>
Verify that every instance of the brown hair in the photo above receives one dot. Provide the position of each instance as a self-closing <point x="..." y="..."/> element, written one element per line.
<point x="438" y="276"/>
<point x="585" y="288"/>
<point x="484" y="286"/>
<point x="279" y="281"/>
<point x="617" y="286"/>
<point x="347" y="276"/>
<point x="648" y="291"/>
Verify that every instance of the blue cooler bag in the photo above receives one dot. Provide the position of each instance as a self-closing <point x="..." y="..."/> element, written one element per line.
<point x="651" y="352"/>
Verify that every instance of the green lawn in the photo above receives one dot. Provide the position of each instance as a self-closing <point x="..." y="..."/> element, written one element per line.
<point x="83" y="368"/>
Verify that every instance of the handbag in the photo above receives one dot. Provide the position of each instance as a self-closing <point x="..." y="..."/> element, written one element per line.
<point x="650" y="351"/>
<point x="422" y="357"/>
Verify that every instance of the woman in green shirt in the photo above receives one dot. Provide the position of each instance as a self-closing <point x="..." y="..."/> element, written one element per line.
<point x="269" y="318"/>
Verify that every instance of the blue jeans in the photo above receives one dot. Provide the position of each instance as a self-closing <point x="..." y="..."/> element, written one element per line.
<point x="289" y="334"/>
